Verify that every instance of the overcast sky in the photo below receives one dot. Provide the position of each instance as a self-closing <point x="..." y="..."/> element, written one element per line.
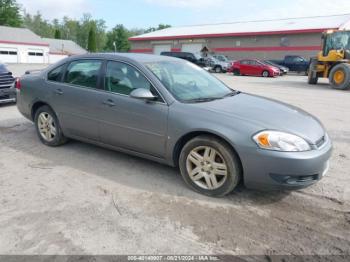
<point x="145" y="13"/>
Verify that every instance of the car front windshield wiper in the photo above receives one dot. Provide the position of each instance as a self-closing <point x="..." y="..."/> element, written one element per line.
<point x="202" y="99"/>
<point x="233" y="93"/>
<point x="208" y="99"/>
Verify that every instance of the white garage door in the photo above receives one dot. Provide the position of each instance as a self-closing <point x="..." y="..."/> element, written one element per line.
<point x="8" y="55"/>
<point x="192" y="48"/>
<point x="35" y="56"/>
<point x="157" y="49"/>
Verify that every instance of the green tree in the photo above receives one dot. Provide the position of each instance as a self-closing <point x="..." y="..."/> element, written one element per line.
<point x="160" y="27"/>
<point x="92" y="40"/>
<point x="58" y="33"/>
<point x="117" y="39"/>
<point x="39" y="25"/>
<point x="10" y="13"/>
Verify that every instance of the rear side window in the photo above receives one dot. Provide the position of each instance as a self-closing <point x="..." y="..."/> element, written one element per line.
<point x="83" y="73"/>
<point x="55" y="74"/>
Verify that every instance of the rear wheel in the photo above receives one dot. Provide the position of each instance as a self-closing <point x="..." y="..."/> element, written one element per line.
<point x="209" y="166"/>
<point x="265" y="73"/>
<point x="236" y="72"/>
<point x="340" y="76"/>
<point x="48" y="127"/>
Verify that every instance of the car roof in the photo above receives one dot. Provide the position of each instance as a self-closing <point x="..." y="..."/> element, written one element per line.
<point x="141" y="58"/>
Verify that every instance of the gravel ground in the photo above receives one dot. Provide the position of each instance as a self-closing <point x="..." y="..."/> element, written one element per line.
<point x="82" y="199"/>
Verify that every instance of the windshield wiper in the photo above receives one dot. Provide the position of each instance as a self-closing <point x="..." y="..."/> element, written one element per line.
<point x="233" y="93"/>
<point x="208" y="99"/>
<point x="202" y="100"/>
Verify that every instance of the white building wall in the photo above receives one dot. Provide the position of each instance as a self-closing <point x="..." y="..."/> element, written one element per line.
<point x="23" y="53"/>
<point x="53" y="58"/>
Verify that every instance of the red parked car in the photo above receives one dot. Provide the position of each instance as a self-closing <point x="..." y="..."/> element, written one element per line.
<point x="253" y="67"/>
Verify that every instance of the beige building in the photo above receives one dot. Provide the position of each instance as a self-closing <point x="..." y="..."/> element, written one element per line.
<point x="268" y="39"/>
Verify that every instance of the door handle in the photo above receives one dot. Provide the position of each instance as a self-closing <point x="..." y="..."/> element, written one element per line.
<point x="58" y="92"/>
<point x="109" y="102"/>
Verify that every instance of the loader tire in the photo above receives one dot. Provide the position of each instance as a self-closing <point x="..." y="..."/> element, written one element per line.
<point x="340" y="76"/>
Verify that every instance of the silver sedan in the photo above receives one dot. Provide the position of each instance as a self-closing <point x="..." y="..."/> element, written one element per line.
<point x="171" y="111"/>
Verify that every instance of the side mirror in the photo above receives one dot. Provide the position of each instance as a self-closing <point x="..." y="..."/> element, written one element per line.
<point x="143" y="94"/>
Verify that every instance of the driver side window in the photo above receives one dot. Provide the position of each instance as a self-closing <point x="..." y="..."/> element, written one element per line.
<point x="122" y="79"/>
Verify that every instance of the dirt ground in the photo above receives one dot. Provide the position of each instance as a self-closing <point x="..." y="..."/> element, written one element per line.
<point x="82" y="199"/>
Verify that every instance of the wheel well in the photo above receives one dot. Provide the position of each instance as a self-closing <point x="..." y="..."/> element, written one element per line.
<point x="183" y="140"/>
<point x="36" y="106"/>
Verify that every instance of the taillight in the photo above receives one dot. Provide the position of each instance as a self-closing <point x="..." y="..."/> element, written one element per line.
<point x="18" y="84"/>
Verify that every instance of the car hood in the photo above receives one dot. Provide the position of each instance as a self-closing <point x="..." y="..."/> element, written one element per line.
<point x="268" y="114"/>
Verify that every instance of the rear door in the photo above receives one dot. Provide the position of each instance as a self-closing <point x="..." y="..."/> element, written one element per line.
<point x="76" y="98"/>
<point x="127" y="122"/>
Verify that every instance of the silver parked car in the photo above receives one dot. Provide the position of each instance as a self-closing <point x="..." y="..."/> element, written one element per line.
<point x="171" y="111"/>
<point x="216" y="65"/>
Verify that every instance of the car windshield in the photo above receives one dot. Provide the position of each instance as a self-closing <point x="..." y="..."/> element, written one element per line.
<point x="269" y="63"/>
<point x="187" y="82"/>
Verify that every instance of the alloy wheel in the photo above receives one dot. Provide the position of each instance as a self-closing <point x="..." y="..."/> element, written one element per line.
<point x="265" y="74"/>
<point x="46" y="126"/>
<point x="206" y="167"/>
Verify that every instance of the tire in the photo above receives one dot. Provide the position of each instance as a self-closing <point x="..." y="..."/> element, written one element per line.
<point x="218" y="69"/>
<point x="226" y="178"/>
<point x="312" y="74"/>
<point x="265" y="73"/>
<point x="45" y="122"/>
<point x="340" y="76"/>
<point x="236" y="72"/>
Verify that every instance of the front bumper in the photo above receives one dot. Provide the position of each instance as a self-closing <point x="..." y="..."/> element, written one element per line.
<point x="264" y="169"/>
<point x="275" y="73"/>
<point x="7" y="95"/>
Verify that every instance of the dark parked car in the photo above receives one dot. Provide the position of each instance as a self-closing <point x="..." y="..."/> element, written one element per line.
<point x="294" y="63"/>
<point x="176" y="113"/>
<point x="283" y="70"/>
<point x="7" y="90"/>
<point x="191" y="57"/>
<point x="253" y="67"/>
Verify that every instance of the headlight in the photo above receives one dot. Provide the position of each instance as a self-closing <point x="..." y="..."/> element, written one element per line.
<point x="280" y="141"/>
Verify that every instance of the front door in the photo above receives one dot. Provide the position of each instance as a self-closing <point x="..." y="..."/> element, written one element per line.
<point x="76" y="98"/>
<point x="127" y="122"/>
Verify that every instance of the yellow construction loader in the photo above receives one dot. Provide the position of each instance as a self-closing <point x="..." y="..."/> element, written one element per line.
<point x="333" y="62"/>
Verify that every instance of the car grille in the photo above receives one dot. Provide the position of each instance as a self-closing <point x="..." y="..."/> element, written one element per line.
<point x="6" y="80"/>
<point x="4" y="97"/>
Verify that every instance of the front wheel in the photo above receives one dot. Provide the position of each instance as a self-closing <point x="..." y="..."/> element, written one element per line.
<point x="210" y="166"/>
<point x="48" y="127"/>
<point x="265" y="73"/>
<point x="218" y="69"/>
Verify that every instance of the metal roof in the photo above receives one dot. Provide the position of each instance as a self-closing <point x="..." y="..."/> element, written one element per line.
<point x="15" y="35"/>
<point x="61" y="46"/>
<point x="262" y="27"/>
